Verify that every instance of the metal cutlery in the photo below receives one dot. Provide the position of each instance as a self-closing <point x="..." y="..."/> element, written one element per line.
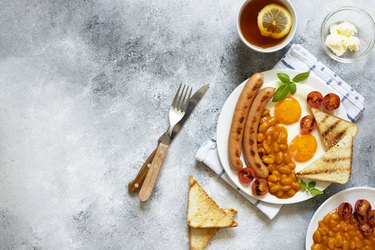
<point x="137" y="183"/>
<point x="176" y="112"/>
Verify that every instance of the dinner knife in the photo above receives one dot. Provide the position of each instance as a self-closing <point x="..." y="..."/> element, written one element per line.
<point x="136" y="184"/>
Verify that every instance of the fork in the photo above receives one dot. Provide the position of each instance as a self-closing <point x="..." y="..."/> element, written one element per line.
<point x="176" y="112"/>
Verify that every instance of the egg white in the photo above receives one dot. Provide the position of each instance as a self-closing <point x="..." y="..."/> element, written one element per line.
<point x="294" y="129"/>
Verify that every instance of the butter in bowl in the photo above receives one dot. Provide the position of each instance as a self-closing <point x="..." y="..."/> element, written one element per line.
<point x="348" y="34"/>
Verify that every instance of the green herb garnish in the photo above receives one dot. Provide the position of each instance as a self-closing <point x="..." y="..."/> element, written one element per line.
<point x="288" y="86"/>
<point x="310" y="187"/>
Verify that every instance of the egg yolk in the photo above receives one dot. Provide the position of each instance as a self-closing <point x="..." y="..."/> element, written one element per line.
<point x="288" y="111"/>
<point x="303" y="147"/>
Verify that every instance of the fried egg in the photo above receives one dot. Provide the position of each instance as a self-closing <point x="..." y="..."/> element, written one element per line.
<point x="287" y="111"/>
<point x="303" y="147"/>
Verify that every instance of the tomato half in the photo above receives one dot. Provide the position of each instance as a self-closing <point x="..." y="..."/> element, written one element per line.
<point x="307" y="124"/>
<point x="246" y="175"/>
<point x="362" y="207"/>
<point x="260" y="187"/>
<point x="358" y="219"/>
<point x="371" y="218"/>
<point x="331" y="101"/>
<point x="314" y="99"/>
<point x="345" y="210"/>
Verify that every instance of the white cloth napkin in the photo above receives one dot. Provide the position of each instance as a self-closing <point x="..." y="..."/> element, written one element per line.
<point x="300" y="59"/>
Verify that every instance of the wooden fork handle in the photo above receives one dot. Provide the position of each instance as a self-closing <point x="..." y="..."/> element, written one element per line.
<point x="149" y="183"/>
<point x="137" y="183"/>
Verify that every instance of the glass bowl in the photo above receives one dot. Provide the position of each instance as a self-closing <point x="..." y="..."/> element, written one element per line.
<point x="365" y="26"/>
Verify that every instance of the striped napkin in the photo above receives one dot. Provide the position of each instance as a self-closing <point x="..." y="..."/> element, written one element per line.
<point x="300" y="59"/>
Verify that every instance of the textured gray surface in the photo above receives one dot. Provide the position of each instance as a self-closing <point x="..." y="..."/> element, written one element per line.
<point x="84" y="92"/>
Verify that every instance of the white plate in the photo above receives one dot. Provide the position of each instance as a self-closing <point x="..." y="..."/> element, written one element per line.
<point x="225" y="120"/>
<point x="350" y="195"/>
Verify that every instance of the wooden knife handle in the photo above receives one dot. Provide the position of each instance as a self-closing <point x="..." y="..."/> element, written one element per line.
<point x="137" y="183"/>
<point x="149" y="183"/>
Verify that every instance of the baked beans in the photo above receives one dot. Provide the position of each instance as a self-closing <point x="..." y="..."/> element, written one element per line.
<point x="336" y="232"/>
<point x="273" y="149"/>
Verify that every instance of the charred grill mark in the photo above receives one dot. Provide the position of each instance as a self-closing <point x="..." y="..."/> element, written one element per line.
<point x="257" y="188"/>
<point x="324" y="119"/>
<point x="327" y="171"/>
<point x="332" y="127"/>
<point x="347" y="207"/>
<point x="237" y="153"/>
<point x="333" y="160"/>
<point x="340" y="135"/>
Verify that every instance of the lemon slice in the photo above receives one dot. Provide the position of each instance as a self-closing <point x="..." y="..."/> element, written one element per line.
<point x="274" y="21"/>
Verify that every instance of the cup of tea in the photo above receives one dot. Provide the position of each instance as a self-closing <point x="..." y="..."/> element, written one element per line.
<point x="266" y="25"/>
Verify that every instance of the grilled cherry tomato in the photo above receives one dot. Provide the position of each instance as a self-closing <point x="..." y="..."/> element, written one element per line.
<point x="314" y="99"/>
<point x="260" y="187"/>
<point x="331" y="101"/>
<point x="366" y="229"/>
<point x="307" y="124"/>
<point x="358" y="219"/>
<point x="246" y="175"/>
<point x="345" y="210"/>
<point x="362" y="207"/>
<point x="371" y="218"/>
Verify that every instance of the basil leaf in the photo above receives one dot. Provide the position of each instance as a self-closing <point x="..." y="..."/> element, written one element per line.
<point x="284" y="78"/>
<point x="301" y="77"/>
<point x="303" y="185"/>
<point x="281" y="93"/>
<point x="316" y="191"/>
<point x="312" y="184"/>
<point x="292" y="88"/>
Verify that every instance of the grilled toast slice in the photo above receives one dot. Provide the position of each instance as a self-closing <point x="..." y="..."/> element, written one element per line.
<point x="334" y="166"/>
<point x="199" y="237"/>
<point x="203" y="212"/>
<point x="332" y="128"/>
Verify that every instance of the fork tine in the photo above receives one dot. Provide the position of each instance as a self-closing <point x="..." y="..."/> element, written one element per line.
<point x="182" y="104"/>
<point x="176" y="96"/>
<point x="184" y="107"/>
<point x="178" y="104"/>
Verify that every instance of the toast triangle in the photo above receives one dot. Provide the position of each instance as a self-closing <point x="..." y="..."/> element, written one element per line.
<point x="199" y="237"/>
<point x="332" y="128"/>
<point x="334" y="166"/>
<point x="203" y="212"/>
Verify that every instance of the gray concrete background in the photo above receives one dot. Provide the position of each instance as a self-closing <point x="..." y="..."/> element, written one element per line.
<point x="84" y="92"/>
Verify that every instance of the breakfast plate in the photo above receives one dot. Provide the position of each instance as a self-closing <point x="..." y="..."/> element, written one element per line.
<point x="350" y="195"/>
<point x="271" y="80"/>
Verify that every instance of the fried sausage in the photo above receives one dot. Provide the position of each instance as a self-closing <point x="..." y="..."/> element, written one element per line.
<point x="239" y="119"/>
<point x="250" y="146"/>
